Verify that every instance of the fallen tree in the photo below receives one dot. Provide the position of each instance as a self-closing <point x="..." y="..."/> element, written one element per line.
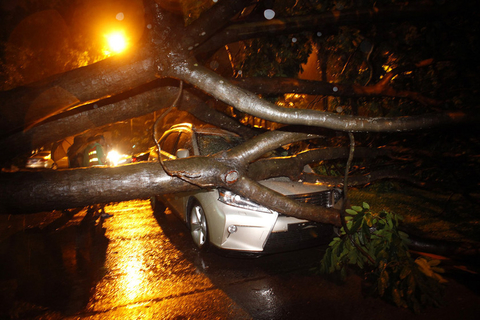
<point x="172" y="50"/>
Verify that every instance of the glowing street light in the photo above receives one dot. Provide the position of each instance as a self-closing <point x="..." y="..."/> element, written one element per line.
<point x="117" y="43"/>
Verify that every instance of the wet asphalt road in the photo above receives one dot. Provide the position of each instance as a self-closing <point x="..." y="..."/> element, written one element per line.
<point x="153" y="271"/>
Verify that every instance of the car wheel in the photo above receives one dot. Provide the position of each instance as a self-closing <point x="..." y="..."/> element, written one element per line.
<point x="198" y="226"/>
<point x="157" y="206"/>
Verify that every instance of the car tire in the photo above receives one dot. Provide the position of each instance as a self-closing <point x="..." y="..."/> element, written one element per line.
<point x="197" y="222"/>
<point x="157" y="206"/>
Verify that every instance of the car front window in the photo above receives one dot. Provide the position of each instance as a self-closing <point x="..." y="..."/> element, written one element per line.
<point x="211" y="143"/>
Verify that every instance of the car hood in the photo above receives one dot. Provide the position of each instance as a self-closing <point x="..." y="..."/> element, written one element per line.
<point x="286" y="186"/>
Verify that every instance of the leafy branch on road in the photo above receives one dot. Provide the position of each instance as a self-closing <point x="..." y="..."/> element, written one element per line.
<point x="373" y="242"/>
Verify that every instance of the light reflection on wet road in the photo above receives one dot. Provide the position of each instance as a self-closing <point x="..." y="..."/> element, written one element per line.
<point x="146" y="277"/>
<point x="153" y="271"/>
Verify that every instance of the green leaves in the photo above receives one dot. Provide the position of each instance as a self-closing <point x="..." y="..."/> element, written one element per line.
<point x="373" y="239"/>
<point x="350" y="211"/>
<point x="357" y="209"/>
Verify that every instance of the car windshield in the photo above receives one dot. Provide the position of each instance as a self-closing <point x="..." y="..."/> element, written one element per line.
<point x="210" y="143"/>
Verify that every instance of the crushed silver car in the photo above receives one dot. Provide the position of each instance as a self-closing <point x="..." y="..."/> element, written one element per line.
<point x="225" y="220"/>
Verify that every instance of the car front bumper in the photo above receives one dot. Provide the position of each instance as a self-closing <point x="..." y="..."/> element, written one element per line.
<point x="237" y="229"/>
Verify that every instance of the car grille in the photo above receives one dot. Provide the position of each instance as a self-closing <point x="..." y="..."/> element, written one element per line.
<point x="325" y="198"/>
<point x="305" y="234"/>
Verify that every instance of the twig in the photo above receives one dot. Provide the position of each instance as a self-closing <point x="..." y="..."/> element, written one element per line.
<point x="344" y="205"/>
<point x="174" y="104"/>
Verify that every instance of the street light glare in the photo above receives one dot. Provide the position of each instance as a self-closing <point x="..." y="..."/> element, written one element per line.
<point x="116" y="42"/>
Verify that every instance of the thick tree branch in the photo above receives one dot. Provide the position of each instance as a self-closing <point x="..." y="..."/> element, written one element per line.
<point x="292" y="166"/>
<point x="156" y="96"/>
<point x="247" y="102"/>
<point x="262" y="195"/>
<point x="354" y="180"/>
<point x="137" y="105"/>
<point x="197" y="107"/>
<point x="280" y="86"/>
<point x="202" y="28"/>
<point x="24" y="106"/>
<point x="261" y="144"/>
<point x="328" y="20"/>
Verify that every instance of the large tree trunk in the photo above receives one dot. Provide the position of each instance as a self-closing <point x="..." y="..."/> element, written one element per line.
<point x="24" y="192"/>
<point x="49" y="190"/>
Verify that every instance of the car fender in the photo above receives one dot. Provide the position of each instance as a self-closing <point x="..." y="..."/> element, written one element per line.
<point x="215" y="217"/>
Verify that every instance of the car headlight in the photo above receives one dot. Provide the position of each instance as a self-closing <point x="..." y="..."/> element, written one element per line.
<point x="232" y="199"/>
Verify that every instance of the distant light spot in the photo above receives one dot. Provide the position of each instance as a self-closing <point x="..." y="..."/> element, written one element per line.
<point x="294" y="40"/>
<point x="319" y="34"/>
<point x="215" y="1"/>
<point x="190" y="48"/>
<point x="339" y="109"/>
<point x="269" y="14"/>
<point x="240" y="72"/>
<point x="221" y="81"/>
<point x="335" y="89"/>
<point x="149" y="26"/>
<point x="120" y="16"/>
<point x="203" y="33"/>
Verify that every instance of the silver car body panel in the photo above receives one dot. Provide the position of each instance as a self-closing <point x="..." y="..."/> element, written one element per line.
<point x="252" y="227"/>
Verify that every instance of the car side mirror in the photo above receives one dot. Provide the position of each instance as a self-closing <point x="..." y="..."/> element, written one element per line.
<point x="183" y="153"/>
